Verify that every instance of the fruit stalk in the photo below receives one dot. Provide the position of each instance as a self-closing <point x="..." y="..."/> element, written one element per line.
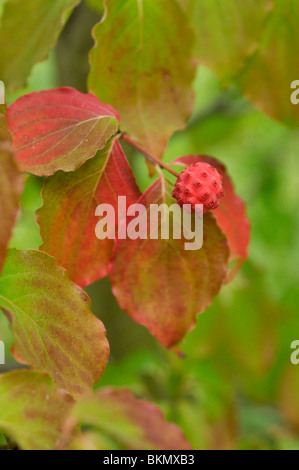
<point x="148" y="155"/>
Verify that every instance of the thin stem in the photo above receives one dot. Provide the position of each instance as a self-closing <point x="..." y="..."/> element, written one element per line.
<point x="148" y="155"/>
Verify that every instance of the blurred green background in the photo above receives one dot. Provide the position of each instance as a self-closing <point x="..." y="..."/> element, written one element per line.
<point x="236" y="386"/>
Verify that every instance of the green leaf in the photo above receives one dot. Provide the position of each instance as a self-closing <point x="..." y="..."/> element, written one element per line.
<point x="96" y="5"/>
<point x="32" y="412"/>
<point x="142" y="63"/>
<point x="116" y="420"/>
<point x="28" y="31"/>
<point x="10" y="189"/>
<point x="252" y="44"/>
<point x="3" y="440"/>
<point x="54" y="329"/>
<point x="228" y="31"/>
<point x="267" y="78"/>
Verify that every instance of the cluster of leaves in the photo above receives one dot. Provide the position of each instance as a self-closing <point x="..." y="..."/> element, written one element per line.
<point x="146" y="72"/>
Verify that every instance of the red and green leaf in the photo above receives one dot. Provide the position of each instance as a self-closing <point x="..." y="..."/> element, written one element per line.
<point x="160" y="284"/>
<point x="53" y="327"/>
<point x="59" y="129"/>
<point x="141" y="66"/>
<point x="32" y="412"/>
<point x="116" y="420"/>
<point x="67" y="218"/>
<point x="11" y="186"/>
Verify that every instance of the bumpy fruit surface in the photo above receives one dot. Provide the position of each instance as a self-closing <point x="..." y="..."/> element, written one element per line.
<point x="200" y="183"/>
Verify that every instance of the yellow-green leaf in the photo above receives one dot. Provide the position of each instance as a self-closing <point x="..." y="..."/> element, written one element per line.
<point x="228" y="31"/>
<point x="116" y="420"/>
<point x="54" y="329"/>
<point x="142" y="64"/>
<point x="32" y="412"/>
<point x="28" y="31"/>
<point x="254" y="45"/>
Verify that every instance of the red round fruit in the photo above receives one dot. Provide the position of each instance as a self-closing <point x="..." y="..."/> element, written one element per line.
<point x="200" y="183"/>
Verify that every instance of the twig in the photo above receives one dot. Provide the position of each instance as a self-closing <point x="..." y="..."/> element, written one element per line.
<point x="148" y="155"/>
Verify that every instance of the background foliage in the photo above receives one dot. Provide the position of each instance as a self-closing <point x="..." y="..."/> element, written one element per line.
<point x="236" y="387"/>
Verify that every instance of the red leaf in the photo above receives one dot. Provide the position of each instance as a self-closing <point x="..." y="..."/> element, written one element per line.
<point x="59" y="129"/>
<point x="231" y="214"/>
<point x="10" y="189"/>
<point x="116" y="419"/>
<point x="160" y="284"/>
<point x="67" y="218"/>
